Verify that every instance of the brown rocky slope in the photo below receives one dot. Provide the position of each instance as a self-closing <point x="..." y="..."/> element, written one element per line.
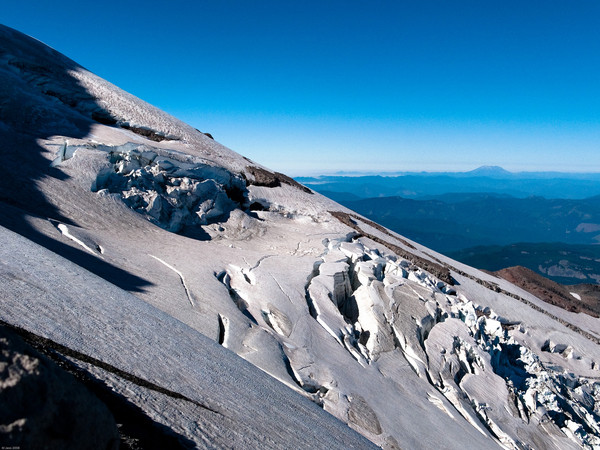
<point x="555" y="293"/>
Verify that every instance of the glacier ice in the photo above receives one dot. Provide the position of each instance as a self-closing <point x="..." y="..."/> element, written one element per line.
<point x="171" y="193"/>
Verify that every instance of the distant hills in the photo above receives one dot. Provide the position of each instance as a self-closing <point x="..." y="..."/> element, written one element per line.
<point x="488" y="179"/>
<point x="452" y="222"/>
<point x="562" y="263"/>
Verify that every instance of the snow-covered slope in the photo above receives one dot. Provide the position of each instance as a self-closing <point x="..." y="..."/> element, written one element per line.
<point x="143" y="254"/>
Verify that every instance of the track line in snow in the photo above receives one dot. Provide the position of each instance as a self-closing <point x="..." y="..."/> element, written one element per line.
<point x="187" y="291"/>
<point x="295" y="252"/>
<point x="65" y="232"/>
<point x="259" y="262"/>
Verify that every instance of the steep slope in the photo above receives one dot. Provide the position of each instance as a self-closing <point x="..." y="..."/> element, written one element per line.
<point x="162" y="366"/>
<point x="577" y="298"/>
<point x="155" y="260"/>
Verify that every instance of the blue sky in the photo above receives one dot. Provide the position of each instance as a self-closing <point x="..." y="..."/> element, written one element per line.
<point x="316" y="87"/>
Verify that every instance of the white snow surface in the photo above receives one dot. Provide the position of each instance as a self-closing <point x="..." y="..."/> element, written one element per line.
<point x="129" y="237"/>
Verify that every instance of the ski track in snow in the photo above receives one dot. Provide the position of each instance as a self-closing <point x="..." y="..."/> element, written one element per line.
<point x="65" y="232"/>
<point x="258" y="263"/>
<point x="187" y="291"/>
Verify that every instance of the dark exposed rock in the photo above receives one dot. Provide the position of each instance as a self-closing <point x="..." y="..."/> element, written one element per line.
<point x="257" y="206"/>
<point x="236" y="194"/>
<point x="206" y="134"/>
<point x="104" y="118"/>
<point x="263" y="177"/>
<point x="147" y="133"/>
<point x="42" y="406"/>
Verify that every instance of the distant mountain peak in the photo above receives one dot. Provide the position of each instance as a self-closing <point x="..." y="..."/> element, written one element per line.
<point x="490" y="171"/>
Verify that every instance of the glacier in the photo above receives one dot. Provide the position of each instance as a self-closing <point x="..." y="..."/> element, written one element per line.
<point x="229" y="306"/>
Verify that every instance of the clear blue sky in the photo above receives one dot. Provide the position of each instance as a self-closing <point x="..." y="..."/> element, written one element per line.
<point x="307" y="87"/>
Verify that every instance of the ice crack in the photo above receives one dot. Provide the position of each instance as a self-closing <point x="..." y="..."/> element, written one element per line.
<point x="185" y="287"/>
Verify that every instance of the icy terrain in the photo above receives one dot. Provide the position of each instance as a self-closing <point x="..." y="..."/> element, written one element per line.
<point x="231" y="307"/>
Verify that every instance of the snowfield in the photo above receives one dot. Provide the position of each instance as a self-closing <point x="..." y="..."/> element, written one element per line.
<point x="231" y="307"/>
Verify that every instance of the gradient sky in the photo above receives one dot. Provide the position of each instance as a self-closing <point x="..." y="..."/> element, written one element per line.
<point x="310" y="87"/>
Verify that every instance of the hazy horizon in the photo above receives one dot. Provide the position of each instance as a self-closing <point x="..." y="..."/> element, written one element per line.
<point x="384" y="173"/>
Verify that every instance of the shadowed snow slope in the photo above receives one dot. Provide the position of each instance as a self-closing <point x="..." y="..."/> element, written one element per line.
<point x="228" y="306"/>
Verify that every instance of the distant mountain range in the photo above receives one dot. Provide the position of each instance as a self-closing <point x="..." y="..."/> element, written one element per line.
<point x="488" y="179"/>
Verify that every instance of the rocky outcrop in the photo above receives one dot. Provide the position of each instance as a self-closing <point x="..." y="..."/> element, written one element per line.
<point x="579" y="298"/>
<point x="148" y="133"/>
<point x="42" y="406"/>
<point x="263" y="177"/>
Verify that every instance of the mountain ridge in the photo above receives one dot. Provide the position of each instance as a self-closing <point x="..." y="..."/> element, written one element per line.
<point x="490" y="171"/>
